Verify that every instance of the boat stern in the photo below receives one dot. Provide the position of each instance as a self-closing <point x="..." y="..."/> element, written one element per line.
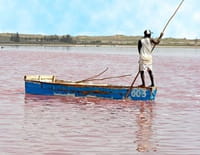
<point x="144" y="94"/>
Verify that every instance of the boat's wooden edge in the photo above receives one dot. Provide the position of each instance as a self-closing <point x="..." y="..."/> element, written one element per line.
<point x="52" y="80"/>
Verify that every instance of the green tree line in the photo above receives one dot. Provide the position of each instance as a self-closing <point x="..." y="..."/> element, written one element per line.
<point x="46" y="38"/>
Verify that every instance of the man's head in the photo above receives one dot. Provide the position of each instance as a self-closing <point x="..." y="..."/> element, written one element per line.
<point x="147" y="33"/>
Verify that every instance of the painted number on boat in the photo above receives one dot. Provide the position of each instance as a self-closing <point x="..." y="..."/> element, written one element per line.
<point x="138" y="93"/>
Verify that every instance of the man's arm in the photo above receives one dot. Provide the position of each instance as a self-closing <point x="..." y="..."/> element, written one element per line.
<point x="139" y="46"/>
<point x="155" y="41"/>
<point x="158" y="40"/>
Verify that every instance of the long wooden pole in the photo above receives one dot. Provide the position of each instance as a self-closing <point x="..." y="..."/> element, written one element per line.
<point x="161" y="34"/>
<point x="129" y="90"/>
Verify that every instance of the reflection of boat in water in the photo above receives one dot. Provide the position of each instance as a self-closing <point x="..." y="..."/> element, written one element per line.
<point x="129" y="121"/>
<point x="47" y="100"/>
<point x="49" y="85"/>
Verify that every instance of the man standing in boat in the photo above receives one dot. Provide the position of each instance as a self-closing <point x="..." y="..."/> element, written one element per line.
<point x="145" y="46"/>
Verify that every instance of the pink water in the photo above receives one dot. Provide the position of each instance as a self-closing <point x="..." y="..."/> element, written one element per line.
<point x="69" y="126"/>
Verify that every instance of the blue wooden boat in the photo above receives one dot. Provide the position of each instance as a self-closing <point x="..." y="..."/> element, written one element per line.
<point x="49" y="85"/>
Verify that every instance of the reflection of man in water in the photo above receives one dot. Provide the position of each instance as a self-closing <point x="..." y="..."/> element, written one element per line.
<point x="144" y="133"/>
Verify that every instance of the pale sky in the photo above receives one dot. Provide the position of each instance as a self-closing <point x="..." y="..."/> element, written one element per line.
<point x="100" y="17"/>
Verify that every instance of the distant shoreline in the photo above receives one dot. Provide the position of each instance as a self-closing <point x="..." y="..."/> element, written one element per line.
<point x="73" y="45"/>
<point x="16" y="39"/>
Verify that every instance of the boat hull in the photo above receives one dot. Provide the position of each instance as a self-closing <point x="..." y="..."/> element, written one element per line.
<point x="89" y="90"/>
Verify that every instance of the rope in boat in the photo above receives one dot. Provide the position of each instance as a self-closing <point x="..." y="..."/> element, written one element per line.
<point x="111" y="77"/>
<point x="92" y="77"/>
